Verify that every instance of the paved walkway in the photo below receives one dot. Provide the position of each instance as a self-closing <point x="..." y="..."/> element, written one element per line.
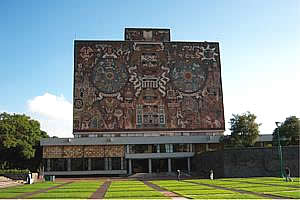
<point x="242" y="191"/>
<point x="100" y="192"/>
<point x="23" y="196"/>
<point x="165" y="192"/>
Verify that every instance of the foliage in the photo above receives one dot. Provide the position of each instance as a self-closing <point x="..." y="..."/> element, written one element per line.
<point x="19" y="142"/>
<point x="244" y="131"/>
<point x="14" y="171"/>
<point x="289" y="132"/>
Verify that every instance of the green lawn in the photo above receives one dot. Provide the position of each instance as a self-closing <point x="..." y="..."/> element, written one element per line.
<point x="225" y="196"/>
<point x="259" y="185"/>
<point x="293" y="194"/>
<point x="191" y="189"/>
<point x="262" y="189"/>
<point x="78" y="190"/>
<point x="132" y="190"/>
<point x="13" y="192"/>
<point x="194" y="191"/>
<point x="187" y="188"/>
<point x="268" y="180"/>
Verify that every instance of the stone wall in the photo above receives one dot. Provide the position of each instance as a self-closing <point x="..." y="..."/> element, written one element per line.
<point x="202" y="163"/>
<point x="250" y="162"/>
<point x="87" y="151"/>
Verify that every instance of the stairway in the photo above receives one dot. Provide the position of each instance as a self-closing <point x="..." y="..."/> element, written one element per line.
<point x="162" y="175"/>
<point x="7" y="182"/>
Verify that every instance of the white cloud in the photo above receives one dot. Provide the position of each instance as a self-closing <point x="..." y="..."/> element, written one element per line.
<point x="269" y="101"/>
<point x="54" y="113"/>
<point x="51" y="106"/>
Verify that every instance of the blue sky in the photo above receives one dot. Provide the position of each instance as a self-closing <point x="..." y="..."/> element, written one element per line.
<point x="259" y="40"/>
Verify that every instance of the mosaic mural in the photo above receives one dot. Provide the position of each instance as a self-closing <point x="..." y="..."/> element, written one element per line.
<point x="155" y="35"/>
<point x="147" y="84"/>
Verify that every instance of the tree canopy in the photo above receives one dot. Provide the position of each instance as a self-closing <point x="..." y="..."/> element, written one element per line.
<point x="244" y="131"/>
<point x="19" y="141"/>
<point x="289" y="132"/>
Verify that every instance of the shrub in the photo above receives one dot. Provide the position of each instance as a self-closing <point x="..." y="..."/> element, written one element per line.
<point x="14" y="171"/>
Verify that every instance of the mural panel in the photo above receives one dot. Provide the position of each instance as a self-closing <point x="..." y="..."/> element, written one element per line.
<point x="155" y="35"/>
<point x="147" y="85"/>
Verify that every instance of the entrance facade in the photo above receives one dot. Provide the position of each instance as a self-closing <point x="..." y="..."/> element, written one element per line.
<point x="145" y="104"/>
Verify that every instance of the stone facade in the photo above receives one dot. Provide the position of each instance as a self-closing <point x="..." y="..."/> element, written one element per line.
<point x="147" y="83"/>
<point x="86" y="151"/>
<point x="248" y="162"/>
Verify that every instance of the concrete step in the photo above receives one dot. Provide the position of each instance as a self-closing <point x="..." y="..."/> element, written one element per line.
<point x="159" y="175"/>
<point x="3" y="179"/>
<point x="7" y="182"/>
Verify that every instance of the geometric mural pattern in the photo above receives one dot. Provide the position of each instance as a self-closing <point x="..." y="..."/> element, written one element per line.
<point x="147" y="83"/>
<point x="87" y="151"/>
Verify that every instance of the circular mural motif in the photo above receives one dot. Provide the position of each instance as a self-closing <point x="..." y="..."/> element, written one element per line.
<point x="188" y="78"/>
<point x="78" y="104"/>
<point x="108" y="77"/>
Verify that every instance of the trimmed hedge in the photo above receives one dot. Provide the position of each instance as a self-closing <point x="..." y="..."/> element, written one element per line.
<point x="13" y="171"/>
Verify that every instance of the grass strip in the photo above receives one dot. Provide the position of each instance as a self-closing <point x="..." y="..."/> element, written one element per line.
<point x="203" y="192"/>
<point x="66" y="195"/>
<point x="292" y="194"/>
<point x="22" y="189"/>
<point x="134" y="194"/>
<point x="79" y="190"/>
<point x="137" y="190"/>
<point x="267" y="189"/>
<point x="129" y="189"/>
<point x="225" y="196"/>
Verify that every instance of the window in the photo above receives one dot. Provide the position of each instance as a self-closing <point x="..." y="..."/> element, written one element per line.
<point x="116" y="163"/>
<point x="169" y="148"/>
<point x="97" y="163"/>
<point x="79" y="164"/>
<point x="161" y="119"/>
<point x="139" y="120"/>
<point x="58" y="164"/>
<point x="162" y="148"/>
<point x="94" y="123"/>
<point x="181" y="147"/>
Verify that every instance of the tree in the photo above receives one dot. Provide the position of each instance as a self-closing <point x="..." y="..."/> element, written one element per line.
<point x="244" y="131"/>
<point x="19" y="141"/>
<point x="289" y="132"/>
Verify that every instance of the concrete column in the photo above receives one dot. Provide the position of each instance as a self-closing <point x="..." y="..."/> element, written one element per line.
<point x="191" y="147"/>
<point x="122" y="163"/>
<point x="89" y="164"/>
<point x="169" y="165"/>
<point x="109" y="164"/>
<point x="105" y="164"/>
<point x="189" y="164"/>
<point x="129" y="166"/>
<point x="127" y="148"/>
<point x="69" y="164"/>
<point x="150" y="165"/>
<point x="158" y="148"/>
<point x="48" y="165"/>
<point x="206" y="147"/>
